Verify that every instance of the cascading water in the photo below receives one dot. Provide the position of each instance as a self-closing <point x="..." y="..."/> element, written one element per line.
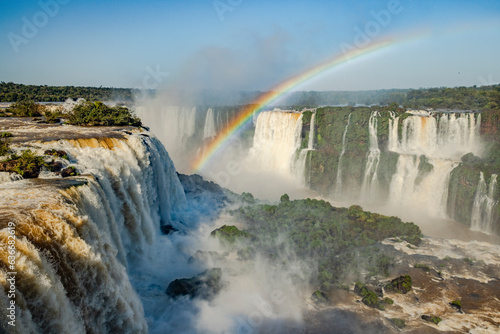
<point x="484" y="202"/>
<point x="209" y="129"/>
<point x="437" y="141"/>
<point x="338" y="182"/>
<point x="277" y="140"/>
<point x="76" y="237"/>
<point x="369" y="186"/>
<point x="301" y="162"/>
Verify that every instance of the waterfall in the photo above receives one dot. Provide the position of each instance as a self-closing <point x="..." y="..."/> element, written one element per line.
<point x="338" y="183"/>
<point x="209" y="130"/>
<point x="484" y="202"/>
<point x="393" y="132"/>
<point x="443" y="135"/>
<point x="369" y="186"/>
<point x="277" y="140"/>
<point x="430" y="193"/>
<point x="301" y="161"/>
<point x="310" y="144"/>
<point x="76" y="237"/>
<point x="443" y="139"/>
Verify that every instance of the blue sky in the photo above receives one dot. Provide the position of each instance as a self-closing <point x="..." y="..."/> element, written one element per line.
<point x="247" y="44"/>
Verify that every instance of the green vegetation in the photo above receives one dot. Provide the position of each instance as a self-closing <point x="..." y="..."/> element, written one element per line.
<point x="485" y="97"/>
<point x="369" y="297"/>
<point x="422" y="266"/>
<point x="60" y="154"/>
<point x="341" y="241"/>
<point x="320" y="297"/>
<point x="69" y="171"/>
<point x="4" y="143"/>
<point x="456" y="304"/>
<point x="27" y="164"/>
<point x="97" y="113"/>
<point x="388" y="301"/>
<point x="4" y="146"/>
<point x="399" y="323"/>
<point x="230" y="234"/>
<point x="434" y="319"/>
<point x="11" y="92"/>
<point x="53" y="117"/>
<point x="26" y="108"/>
<point x="401" y="284"/>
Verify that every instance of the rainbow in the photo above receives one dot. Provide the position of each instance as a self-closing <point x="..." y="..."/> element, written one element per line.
<point x="223" y="138"/>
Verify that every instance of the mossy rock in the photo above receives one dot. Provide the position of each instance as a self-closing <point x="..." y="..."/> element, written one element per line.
<point x="401" y="284"/>
<point x="388" y="301"/>
<point x="231" y="234"/>
<point x="370" y="298"/>
<point x="204" y="285"/>
<point x="69" y="171"/>
<point x="434" y="319"/>
<point x="399" y="323"/>
<point x="320" y="297"/>
<point x="57" y="153"/>
<point x="457" y="305"/>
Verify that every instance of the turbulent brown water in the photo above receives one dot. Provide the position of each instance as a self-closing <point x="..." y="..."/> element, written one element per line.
<point x="75" y="238"/>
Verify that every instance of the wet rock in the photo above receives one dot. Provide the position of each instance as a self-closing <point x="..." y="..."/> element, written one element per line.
<point x="369" y="297"/>
<point x="69" y="171"/>
<point x="320" y="297"/>
<point x="13" y="166"/>
<point x="54" y="166"/>
<point x="60" y="153"/>
<point x="457" y="305"/>
<point x="434" y="319"/>
<point x="168" y="229"/>
<point x="204" y="285"/>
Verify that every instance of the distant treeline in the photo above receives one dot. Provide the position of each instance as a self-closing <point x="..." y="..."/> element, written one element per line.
<point x="485" y="97"/>
<point x="11" y="92"/>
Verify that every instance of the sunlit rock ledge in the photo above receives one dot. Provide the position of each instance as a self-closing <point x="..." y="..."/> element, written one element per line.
<point x="30" y="129"/>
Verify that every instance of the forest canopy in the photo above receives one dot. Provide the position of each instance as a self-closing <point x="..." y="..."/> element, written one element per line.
<point x="481" y="98"/>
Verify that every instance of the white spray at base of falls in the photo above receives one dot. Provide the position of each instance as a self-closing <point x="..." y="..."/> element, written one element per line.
<point x="369" y="187"/>
<point x="338" y="182"/>
<point x="301" y="162"/>
<point x="484" y="202"/>
<point x="276" y="141"/>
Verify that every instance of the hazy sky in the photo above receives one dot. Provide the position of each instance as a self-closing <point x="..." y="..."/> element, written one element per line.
<point x="248" y="44"/>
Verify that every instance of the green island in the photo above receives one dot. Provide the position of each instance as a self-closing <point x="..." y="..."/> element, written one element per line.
<point x="343" y="242"/>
